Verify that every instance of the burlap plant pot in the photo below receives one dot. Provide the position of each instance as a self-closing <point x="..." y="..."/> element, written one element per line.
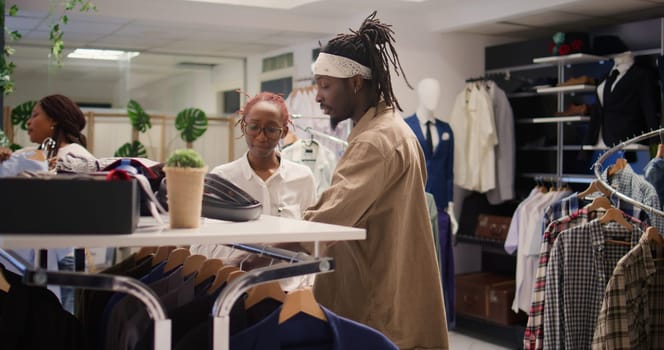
<point x="185" y="195"/>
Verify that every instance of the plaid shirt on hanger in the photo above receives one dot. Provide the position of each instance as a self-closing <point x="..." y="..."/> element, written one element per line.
<point x="534" y="333"/>
<point x="577" y="273"/>
<point x="632" y="314"/>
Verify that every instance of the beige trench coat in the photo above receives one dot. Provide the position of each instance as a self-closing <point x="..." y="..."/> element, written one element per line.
<point x="390" y="281"/>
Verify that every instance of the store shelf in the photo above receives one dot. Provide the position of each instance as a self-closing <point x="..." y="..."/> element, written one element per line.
<point x="522" y="94"/>
<point x="487" y="242"/>
<point x="566" y="89"/>
<point x="570" y="178"/>
<point x="538" y="120"/>
<point x="570" y="59"/>
<point x="632" y="147"/>
<point x="551" y="148"/>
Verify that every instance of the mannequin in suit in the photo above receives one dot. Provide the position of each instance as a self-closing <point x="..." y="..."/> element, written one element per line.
<point x="438" y="147"/>
<point x="439" y="171"/>
<point x="627" y="98"/>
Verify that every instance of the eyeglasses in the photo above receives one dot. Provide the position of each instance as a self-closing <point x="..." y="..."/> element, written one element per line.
<point x="271" y="132"/>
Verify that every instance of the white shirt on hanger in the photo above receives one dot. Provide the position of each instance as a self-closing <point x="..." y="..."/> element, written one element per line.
<point x="316" y="157"/>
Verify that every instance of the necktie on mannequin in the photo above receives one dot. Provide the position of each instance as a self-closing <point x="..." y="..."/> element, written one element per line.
<point x="428" y="136"/>
<point x="609" y="84"/>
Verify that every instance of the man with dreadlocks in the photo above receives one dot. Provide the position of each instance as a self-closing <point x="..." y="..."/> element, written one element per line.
<point x="390" y="281"/>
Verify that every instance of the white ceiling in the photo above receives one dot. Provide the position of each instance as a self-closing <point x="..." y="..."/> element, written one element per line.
<point x="210" y="33"/>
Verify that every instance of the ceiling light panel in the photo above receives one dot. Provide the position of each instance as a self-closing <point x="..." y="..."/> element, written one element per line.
<point x="271" y="4"/>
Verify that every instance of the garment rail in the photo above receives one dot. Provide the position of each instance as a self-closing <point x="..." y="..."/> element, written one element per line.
<point x="135" y="288"/>
<point x="302" y="264"/>
<point x="322" y="134"/>
<point x="619" y="147"/>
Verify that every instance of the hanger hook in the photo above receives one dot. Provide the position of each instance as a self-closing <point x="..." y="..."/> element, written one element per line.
<point x="243" y="260"/>
<point x="231" y="252"/>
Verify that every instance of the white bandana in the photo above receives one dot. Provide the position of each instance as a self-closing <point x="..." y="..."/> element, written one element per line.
<point x="339" y="67"/>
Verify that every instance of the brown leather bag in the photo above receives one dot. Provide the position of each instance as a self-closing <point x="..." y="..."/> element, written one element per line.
<point x="493" y="227"/>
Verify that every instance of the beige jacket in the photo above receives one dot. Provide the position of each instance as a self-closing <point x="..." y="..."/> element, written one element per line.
<point x="390" y="281"/>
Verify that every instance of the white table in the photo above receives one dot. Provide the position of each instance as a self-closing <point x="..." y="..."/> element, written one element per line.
<point x="267" y="229"/>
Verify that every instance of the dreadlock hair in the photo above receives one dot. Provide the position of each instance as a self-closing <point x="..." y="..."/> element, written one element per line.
<point x="69" y="119"/>
<point x="372" y="46"/>
<point x="270" y="97"/>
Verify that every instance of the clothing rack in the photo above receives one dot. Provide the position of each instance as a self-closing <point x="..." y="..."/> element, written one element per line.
<point x="265" y="229"/>
<point x="619" y="147"/>
<point x="133" y="287"/>
<point x="223" y="304"/>
<point x="323" y="135"/>
<point x="300" y="264"/>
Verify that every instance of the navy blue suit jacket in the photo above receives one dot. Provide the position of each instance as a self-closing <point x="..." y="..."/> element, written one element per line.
<point x="440" y="176"/>
<point x="304" y="332"/>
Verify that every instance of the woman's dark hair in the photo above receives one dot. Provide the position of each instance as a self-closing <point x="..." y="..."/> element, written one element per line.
<point x="69" y="120"/>
<point x="371" y="46"/>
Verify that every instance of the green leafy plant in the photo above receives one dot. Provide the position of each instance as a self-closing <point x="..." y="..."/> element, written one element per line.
<point x="131" y="149"/>
<point x="21" y="114"/>
<point x="6" y="65"/>
<point x="185" y="158"/>
<point x="19" y="118"/>
<point x="192" y="124"/>
<point x="55" y="29"/>
<point x="140" y="122"/>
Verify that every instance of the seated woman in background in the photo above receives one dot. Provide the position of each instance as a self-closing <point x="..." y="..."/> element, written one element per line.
<point x="283" y="187"/>
<point x="58" y="117"/>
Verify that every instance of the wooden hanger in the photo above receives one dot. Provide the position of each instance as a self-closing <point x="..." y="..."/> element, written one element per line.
<point x="144" y="252"/>
<point x="192" y="264"/>
<point x="592" y="188"/>
<point x="619" y="165"/>
<point x="233" y="275"/>
<point x="653" y="236"/>
<point x="208" y="269"/>
<point x="162" y="254"/>
<point x="4" y="284"/>
<point x="660" y="151"/>
<point x="615" y="215"/>
<point x="301" y="300"/>
<point x="176" y="258"/>
<point x="599" y="203"/>
<point x="271" y="290"/>
<point x="221" y="277"/>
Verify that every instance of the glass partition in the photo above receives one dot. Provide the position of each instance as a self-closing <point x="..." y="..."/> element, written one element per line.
<point x="162" y="84"/>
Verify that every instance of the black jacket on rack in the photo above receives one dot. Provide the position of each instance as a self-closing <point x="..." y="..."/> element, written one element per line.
<point x="629" y="110"/>
<point x="32" y="318"/>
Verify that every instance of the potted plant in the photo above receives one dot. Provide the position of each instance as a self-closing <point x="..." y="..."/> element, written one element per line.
<point x="185" y="176"/>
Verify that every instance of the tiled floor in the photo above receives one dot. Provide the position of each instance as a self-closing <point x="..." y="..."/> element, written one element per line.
<point x="460" y="341"/>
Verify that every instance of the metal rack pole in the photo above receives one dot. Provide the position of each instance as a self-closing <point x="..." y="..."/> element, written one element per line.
<point x="222" y="306"/>
<point x="135" y="288"/>
<point x="598" y="165"/>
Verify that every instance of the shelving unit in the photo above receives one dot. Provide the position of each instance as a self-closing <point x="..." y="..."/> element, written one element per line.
<point x="560" y="91"/>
